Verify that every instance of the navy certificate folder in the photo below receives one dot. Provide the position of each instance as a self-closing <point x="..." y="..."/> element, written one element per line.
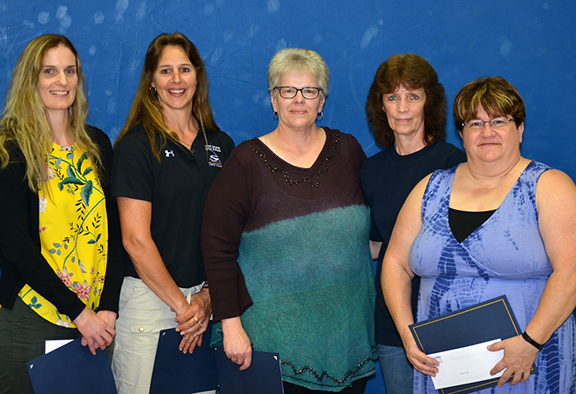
<point x="70" y="369"/>
<point x="262" y="377"/>
<point x="179" y="373"/>
<point x="479" y="323"/>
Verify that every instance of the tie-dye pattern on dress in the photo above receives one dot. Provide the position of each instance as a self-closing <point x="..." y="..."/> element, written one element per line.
<point x="505" y="255"/>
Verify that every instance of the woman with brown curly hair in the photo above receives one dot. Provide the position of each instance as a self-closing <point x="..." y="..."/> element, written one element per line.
<point x="406" y="110"/>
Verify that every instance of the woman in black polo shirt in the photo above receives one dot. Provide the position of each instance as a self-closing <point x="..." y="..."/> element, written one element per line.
<point x="168" y="154"/>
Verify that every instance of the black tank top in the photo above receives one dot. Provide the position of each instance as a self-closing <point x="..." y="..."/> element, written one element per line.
<point x="463" y="223"/>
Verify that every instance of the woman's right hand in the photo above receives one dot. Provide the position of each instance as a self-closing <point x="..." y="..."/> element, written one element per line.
<point x="419" y="359"/>
<point x="96" y="333"/>
<point x="109" y="317"/>
<point x="236" y="342"/>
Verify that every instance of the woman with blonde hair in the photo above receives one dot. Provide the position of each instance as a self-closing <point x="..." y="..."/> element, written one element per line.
<point x="166" y="159"/>
<point x="61" y="255"/>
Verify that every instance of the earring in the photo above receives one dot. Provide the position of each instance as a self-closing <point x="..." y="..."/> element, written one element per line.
<point x="320" y="115"/>
<point x="275" y="115"/>
<point x="152" y="89"/>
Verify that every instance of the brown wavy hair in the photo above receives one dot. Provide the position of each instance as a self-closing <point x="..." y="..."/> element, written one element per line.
<point x="146" y="108"/>
<point x="495" y="94"/>
<point x="412" y="72"/>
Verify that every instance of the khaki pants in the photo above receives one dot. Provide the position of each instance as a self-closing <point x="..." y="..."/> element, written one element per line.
<point x="141" y="317"/>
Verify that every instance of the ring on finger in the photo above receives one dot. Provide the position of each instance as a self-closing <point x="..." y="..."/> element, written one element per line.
<point x="197" y="321"/>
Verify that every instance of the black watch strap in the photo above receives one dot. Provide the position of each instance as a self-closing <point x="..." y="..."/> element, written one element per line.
<point x="531" y="341"/>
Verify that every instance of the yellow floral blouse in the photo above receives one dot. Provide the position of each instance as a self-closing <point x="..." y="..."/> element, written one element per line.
<point x="73" y="231"/>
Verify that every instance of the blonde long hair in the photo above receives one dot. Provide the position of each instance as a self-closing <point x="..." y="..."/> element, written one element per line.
<point x="25" y="121"/>
<point x="146" y="108"/>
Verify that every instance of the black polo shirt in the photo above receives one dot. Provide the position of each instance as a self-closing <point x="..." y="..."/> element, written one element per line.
<point x="176" y="186"/>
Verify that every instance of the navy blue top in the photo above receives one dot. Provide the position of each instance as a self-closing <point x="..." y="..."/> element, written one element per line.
<point x="387" y="179"/>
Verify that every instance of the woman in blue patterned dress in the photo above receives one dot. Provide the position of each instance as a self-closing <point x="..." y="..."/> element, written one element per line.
<point x="498" y="224"/>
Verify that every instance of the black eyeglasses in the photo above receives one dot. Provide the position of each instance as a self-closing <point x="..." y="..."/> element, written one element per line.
<point x="289" y="92"/>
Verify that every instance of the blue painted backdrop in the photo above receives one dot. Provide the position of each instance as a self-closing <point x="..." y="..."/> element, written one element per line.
<point x="530" y="43"/>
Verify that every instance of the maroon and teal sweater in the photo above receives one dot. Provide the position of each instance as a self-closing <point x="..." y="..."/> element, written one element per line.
<point x="287" y="249"/>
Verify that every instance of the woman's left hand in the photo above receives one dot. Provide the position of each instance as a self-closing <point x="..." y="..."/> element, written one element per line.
<point x="193" y="323"/>
<point x="519" y="356"/>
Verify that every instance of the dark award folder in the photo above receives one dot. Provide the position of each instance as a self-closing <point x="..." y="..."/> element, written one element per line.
<point x="178" y="373"/>
<point x="262" y="377"/>
<point x="70" y="369"/>
<point x="479" y="323"/>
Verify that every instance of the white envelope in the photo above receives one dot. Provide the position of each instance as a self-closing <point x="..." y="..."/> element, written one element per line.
<point x="53" y="344"/>
<point x="466" y="365"/>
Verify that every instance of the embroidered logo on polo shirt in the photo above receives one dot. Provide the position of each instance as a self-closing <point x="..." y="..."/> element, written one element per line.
<point x="213" y="159"/>
<point x="169" y="153"/>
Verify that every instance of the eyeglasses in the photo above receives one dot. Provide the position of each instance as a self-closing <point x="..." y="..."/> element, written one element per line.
<point x="495" y="123"/>
<point x="289" y="92"/>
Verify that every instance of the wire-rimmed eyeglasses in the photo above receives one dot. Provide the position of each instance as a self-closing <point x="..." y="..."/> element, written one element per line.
<point x="289" y="92"/>
<point x="495" y="123"/>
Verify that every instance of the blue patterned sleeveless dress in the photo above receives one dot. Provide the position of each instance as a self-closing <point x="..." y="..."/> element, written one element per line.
<point x="505" y="255"/>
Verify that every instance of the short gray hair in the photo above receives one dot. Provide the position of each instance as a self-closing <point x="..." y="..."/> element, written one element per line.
<point x="298" y="60"/>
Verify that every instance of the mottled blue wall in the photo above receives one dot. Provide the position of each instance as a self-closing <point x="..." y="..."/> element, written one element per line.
<point x="531" y="43"/>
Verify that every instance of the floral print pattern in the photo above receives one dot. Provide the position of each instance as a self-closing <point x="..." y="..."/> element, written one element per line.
<point x="73" y="231"/>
